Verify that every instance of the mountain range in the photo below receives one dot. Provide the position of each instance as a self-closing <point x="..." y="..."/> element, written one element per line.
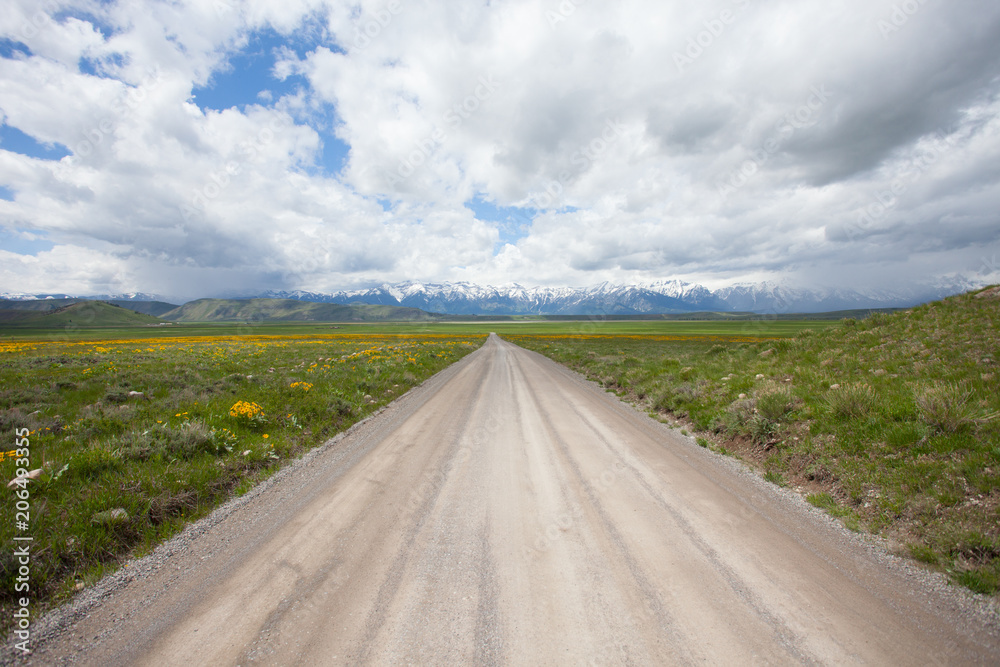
<point x="672" y="296"/>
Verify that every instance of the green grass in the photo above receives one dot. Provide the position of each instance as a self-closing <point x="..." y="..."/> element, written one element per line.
<point x="891" y="423"/>
<point x="724" y="329"/>
<point x="121" y="472"/>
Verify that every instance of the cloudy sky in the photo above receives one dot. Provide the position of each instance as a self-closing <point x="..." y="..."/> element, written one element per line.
<point x="200" y="147"/>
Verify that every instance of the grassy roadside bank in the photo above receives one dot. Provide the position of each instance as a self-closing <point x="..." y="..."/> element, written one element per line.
<point x="134" y="438"/>
<point x="891" y="423"/>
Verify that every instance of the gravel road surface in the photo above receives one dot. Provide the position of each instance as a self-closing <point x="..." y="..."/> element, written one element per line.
<point x="509" y="512"/>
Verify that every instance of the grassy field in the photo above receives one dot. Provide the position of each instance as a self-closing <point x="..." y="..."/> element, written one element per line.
<point x="891" y="423"/>
<point x="595" y="326"/>
<point x="135" y="436"/>
<point x="224" y="405"/>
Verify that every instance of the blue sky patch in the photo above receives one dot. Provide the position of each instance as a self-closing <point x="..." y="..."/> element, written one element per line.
<point x="512" y="222"/>
<point x="247" y="75"/>
<point x="24" y="243"/>
<point x="16" y="141"/>
<point x="98" y="68"/>
<point x="10" y="48"/>
<point x="334" y="155"/>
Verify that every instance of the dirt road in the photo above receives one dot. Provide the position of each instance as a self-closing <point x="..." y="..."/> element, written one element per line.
<point x="507" y="512"/>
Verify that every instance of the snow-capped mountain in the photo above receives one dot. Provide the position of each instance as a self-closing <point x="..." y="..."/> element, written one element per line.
<point x="672" y="296"/>
<point x="777" y="298"/>
<point x="21" y="296"/>
<point x="126" y="296"/>
<point x="669" y="296"/>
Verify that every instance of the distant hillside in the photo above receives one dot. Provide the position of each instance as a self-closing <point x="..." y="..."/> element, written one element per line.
<point x="289" y="310"/>
<point x="156" y="308"/>
<point x="77" y="313"/>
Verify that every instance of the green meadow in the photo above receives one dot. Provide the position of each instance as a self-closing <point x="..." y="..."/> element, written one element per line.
<point x="136" y="432"/>
<point x="891" y="423"/>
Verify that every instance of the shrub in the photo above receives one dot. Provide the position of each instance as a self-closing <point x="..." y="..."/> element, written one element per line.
<point x="878" y="320"/>
<point x="117" y="395"/>
<point x="89" y="464"/>
<point x="762" y="430"/>
<point x="946" y="408"/>
<point x="773" y="401"/>
<point x="852" y="401"/>
<point x="160" y="441"/>
<point x="740" y="412"/>
<point x="165" y="506"/>
<point x="666" y="400"/>
<point x="688" y="392"/>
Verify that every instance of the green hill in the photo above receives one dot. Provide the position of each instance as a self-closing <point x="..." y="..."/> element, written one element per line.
<point x="289" y="310"/>
<point x="77" y="313"/>
<point x="156" y="308"/>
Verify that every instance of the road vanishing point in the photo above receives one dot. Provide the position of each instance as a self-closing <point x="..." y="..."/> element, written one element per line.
<point x="508" y="512"/>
